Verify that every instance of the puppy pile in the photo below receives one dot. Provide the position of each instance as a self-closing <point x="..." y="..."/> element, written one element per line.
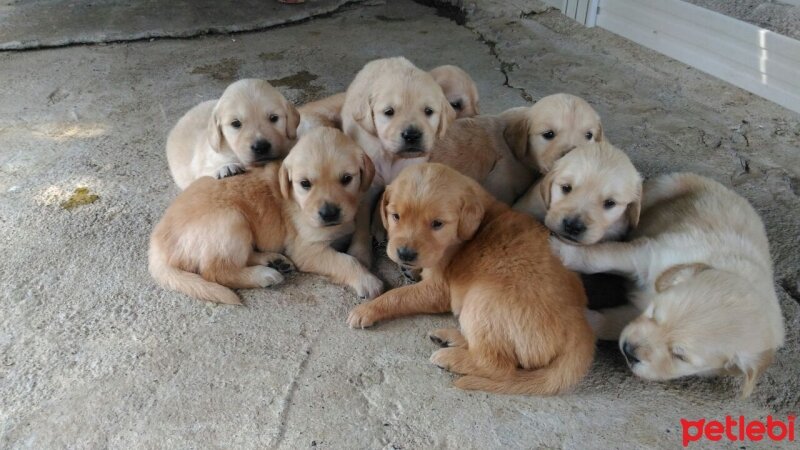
<point x="486" y="214"/>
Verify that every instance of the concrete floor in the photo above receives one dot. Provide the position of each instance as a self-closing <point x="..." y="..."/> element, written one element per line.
<point x="94" y="355"/>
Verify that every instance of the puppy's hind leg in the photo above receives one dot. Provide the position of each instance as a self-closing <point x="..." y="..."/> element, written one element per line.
<point x="448" y="337"/>
<point x="248" y="277"/>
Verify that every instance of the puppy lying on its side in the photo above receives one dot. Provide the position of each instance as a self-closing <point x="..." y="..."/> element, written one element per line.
<point x="230" y="232"/>
<point x="703" y="283"/>
<point x="250" y="125"/>
<point x="458" y="87"/>
<point x="520" y="310"/>
<point x="592" y="194"/>
<point x="548" y="130"/>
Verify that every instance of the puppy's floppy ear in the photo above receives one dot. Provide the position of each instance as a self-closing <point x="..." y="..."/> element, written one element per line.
<point x="362" y="110"/>
<point x="471" y="215"/>
<point x="285" y="180"/>
<point x="678" y="274"/>
<point x="516" y="136"/>
<point x="635" y="208"/>
<point x="215" y="130"/>
<point x="382" y="205"/>
<point x="292" y="120"/>
<point x="751" y="367"/>
<point x="446" y="118"/>
<point x="600" y="136"/>
<point x="367" y="172"/>
<point x="545" y="188"/>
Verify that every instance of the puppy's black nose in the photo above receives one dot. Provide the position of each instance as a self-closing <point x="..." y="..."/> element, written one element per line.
<point x="630" y="353"/>
<point x="411" y="135"/>
<point x="573" y="226"/>
<point x="329" y="213"/>
<point x="406" y="254"/>
<point x="261" y="147"/>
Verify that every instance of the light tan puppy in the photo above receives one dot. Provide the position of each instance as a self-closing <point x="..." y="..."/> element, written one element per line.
<point x="229" y="232"/>
<point x="592" y="194"/>
<point x="703" y="283"/>
<point x="549" y="129"/>
<point x="457" y="85"/>
<point x="459" y="88"/>
<point x="521" y="312"/>
<point x="477" y="148"/>
<point x="396" y="112"/>
<point x="250" y="125"/>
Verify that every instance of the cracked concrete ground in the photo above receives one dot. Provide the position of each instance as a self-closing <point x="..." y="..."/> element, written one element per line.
<point x="93" y="354"/>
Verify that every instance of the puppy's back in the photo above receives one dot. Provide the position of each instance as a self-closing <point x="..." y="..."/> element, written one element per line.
<point x="184" y="141"/>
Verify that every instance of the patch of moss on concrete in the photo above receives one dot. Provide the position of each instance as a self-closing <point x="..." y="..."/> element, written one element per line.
<point x="272" y="56"/>
<point x="301" y="81"/>
<point x="81" y="196"/>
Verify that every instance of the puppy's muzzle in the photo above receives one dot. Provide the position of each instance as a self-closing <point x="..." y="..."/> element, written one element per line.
<point x="262" y="151"/>
<point x="629" y="351"/>
<point x="330" y="214"/>
<point x="412" y="143"/>
<point x="406" y="255"/>
<point x="573" y="227"/>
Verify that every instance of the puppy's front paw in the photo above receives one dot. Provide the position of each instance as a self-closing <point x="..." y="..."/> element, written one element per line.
<point x="282" y="265"/>
<point x="411" y="275"/>
<point x="362" y="316"/>
<point x="267" y="276"/>
<point x="443" y="358"/>
<point x="447" y="337"/>
<point x="368" y="286"/>
<point x="568" y="254"/>
<point x="229" y="170"/>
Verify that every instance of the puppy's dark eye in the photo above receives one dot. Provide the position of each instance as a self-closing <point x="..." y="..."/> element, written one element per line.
<point x="437" y="224"/>
<point x="346" y="179"/>
<point x="395" y="217"/>
<point x="549" y="134"/>
<point x="428" y="111"/>
<point x="388" y="112"/>
<point x="236" y="124"/>
<point x="589" y="135"/>
<point x="305" y="184"/>
<point x="566" y="188"/>
<point x="273" y="118"/>
<point x="456" y="105"/>
<point x="608" y="204"/>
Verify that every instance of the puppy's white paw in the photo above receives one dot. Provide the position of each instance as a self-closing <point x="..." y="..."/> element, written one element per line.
<point x="282" y="264"/>
<point x="569" y="254"/>
<point x="368" y="286"/>
<point x="229" y="170"/>
<point x="267" y="276"/>
<point x="362" y="316"/>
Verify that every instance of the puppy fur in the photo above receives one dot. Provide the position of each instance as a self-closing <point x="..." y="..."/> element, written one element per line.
<point x="230" y="233"/>
<point x="703" y="283"/>
<point x="553" y="126"/>
<point x="592" y="194"/>
<point x="457" y="85"/>
<point x="477" y="147"/>
<point x="521" y="312"/>
<point x="396" y="113"/>
<point x="250" y="125"/>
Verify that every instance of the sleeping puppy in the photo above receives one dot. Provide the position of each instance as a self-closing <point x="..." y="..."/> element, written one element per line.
<point x="546" y="131"/>
<point x="229" y="234"/>
<point x="592" y="194"/>
<point x="459" y="88"/>
<point x="457" y="85"/>
<point x="703" y="283"/>
<point x="396" y="113"/>
<point x="521" y="312"/>
<point x="250" y="125"/>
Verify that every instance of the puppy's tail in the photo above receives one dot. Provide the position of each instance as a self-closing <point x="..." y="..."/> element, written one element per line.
<point x="187" y="282"/>
<point x="563" y="372"/>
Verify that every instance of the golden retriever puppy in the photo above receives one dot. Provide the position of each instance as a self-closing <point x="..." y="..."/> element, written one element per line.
<point x="230" y="233"/>
<point x="459" y="88"/>
<point x="250" y="125"/>
<point x="396" y="112"/>
<point x="592" y="194"/>
<point x="521" y="312"/>
<point x="700" y="263"/>
<point x="546" y="131"/>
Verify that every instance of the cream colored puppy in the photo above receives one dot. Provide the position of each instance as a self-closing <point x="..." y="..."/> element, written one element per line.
<point x="592" y="194"/>
<point x="703" y="283"/>
<point x="250" y="125"/>
<point x="459" y="88"/>
<point x="546" y="131"/>
<point x="396" y="112"/>
<point x="230" y="233"/>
